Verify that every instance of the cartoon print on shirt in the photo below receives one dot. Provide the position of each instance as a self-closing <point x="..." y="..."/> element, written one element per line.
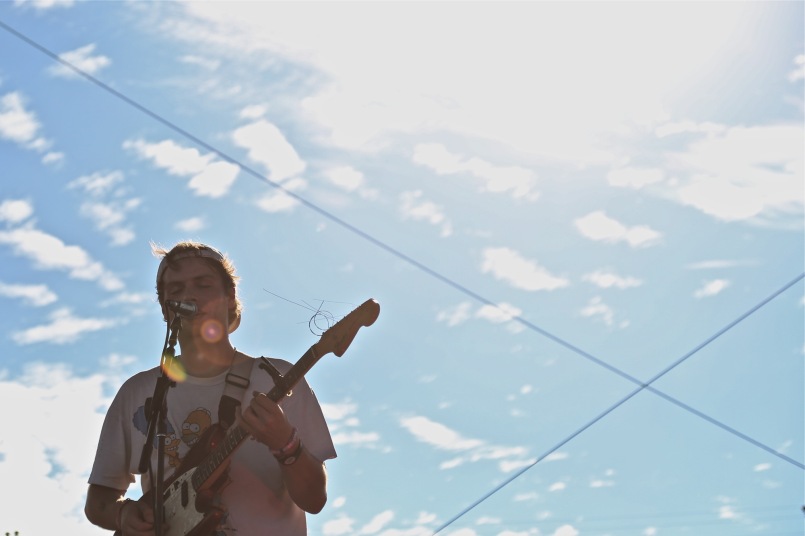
<point x="140" y="422"/>
<point x="172" y="450"/>
<point x="195" y="425"/>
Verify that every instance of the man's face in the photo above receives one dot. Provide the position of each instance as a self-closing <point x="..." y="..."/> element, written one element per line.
<point x="194" y="280"/>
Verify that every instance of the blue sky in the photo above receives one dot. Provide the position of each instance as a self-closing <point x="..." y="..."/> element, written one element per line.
<point x="554" y="204"/>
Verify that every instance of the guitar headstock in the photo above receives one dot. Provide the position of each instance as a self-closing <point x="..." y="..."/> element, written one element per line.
<point x="338" y="338"/>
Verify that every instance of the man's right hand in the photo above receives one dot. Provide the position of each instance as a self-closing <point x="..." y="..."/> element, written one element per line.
<point x="136" y="519"/>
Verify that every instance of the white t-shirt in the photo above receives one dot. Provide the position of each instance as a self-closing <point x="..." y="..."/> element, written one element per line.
<point x="255" y="498"/>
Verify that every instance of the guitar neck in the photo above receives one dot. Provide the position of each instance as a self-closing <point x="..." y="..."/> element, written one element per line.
<point x="237" y="435"/>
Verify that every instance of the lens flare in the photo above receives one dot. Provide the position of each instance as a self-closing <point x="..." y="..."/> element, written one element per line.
<point x="212" y="331"/>
<point x="174" y="369"/>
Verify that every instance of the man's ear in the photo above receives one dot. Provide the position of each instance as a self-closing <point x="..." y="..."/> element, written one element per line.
<point x="234" y="317"/>
<point x="231" y="298"/>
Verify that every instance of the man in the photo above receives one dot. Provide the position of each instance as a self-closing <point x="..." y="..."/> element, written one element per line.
<point x="274" y="479"/>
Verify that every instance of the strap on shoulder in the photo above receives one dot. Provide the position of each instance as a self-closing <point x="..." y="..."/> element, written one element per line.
<point x="237" y="381"/>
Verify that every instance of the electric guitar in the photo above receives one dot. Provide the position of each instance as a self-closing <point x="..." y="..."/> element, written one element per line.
<point x="189" y="492"/>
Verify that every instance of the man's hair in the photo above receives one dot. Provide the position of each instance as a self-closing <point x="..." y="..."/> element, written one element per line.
<point x="222" y="265"/>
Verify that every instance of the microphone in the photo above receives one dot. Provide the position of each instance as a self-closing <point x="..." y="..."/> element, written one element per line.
<point x="185" y="309"/>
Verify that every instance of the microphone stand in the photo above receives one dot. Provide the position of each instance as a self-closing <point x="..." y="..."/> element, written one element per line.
<point x="157" y="414"/>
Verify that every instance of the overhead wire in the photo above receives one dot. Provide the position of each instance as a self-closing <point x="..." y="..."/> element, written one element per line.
<point x="456" y="285"/>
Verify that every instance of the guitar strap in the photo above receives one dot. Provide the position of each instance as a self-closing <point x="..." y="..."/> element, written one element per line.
<point x="237" y="381"/>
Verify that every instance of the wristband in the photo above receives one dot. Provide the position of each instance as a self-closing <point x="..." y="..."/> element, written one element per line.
<point x="290" y="459"/>
<point x="120" y="514"/>
<point x="289" y="447"/>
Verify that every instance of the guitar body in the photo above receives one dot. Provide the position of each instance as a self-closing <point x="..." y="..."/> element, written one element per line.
<point x="189" y="511"/>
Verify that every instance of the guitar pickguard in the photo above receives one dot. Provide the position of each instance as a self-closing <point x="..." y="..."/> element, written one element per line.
<point x="182" y="514"/>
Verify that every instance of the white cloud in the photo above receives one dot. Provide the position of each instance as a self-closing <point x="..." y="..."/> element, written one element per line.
<point x="360" y="439"/>
<point x="746" y="173"/>
<point x="799" y="69"/>
<point x="277" y="201"/>
<point x="118" y="361"/>
<point x="53" y="158"/>
<point x="255" y="111"/>
<point x="209" y="64"/>
<point x="397" y="85"/>
<point x="281" y="200"/>
<point x="170" y="156"/>
<point x="51" y="449"/>
<point x="268" y="146"/>
<point x="566" y="530"/>
<point x="208" y="177"/>
<point x="597" y="308"/>
<point x="556" y="456"/>
<point x="377" y="523"/>
<point x="718" y="263"/>
<point x="63" y="328"/>
<point x="343" y="421"/>
<point x="503" y="312"/>
<point x="97" y="184"/>
<point x="413" y="207"/>
<point x="336" y="527"/>
<point x="438" y="158"/>
<point x="728" y="512"/>
<point x="508" y="265"/>
<point x="130" y="298"/>
<point x="350" y="179"/>
<point x="635" y="178"/>
<point x="609" y="280"/>
<point x="518" y="181"/>
<point x="81" y="58"/>
<point x="338" y="411"/>
<point x="15" y="210"/>
<point x="36" y="295"/>
<point x="762" y="467"/>
<point x="711" y="288"/>
<point x="557" y="486"/>
<point x="438" y="435"/>
<point x="345" y="177"/>
<point x="467" y="450"/>
<point x="687" y="126"/>
<point x="190" y="225"/>
<point x="18" y="124"/>
<point x="214" y="180"/>
<point x="42" y="5"/>
<point x="453" y="316"/>
<point x="49" y="253"/>
<point x="600" y="227"/>
<point x="109" y="216"/>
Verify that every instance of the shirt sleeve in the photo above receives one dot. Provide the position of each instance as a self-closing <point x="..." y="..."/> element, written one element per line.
<point x="113" y="455"/>
<point x="305" y="413"/>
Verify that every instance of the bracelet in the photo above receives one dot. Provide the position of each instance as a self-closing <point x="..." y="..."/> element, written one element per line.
<point x="290" y="459"/>
<point x="289" y="447"/>
<point x="120" y="514"/>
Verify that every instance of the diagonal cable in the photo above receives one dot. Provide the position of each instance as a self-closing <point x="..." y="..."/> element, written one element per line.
<point x="645" y="386"/>
<point x="390" y="249"/>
